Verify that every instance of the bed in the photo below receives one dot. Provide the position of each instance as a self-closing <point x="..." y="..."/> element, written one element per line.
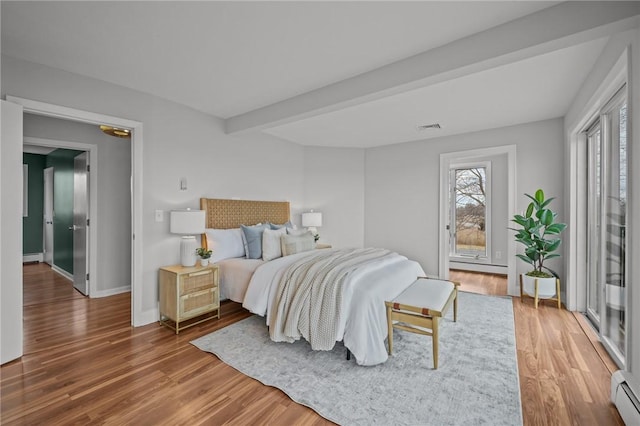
<point x="351" y="309"/>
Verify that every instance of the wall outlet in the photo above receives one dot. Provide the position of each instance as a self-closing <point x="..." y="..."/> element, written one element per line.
<point x="159" y="216"/>
<point x="498" y="255"/>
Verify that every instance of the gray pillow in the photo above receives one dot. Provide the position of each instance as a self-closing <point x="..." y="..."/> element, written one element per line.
<point x="253" y="240"/>
<point x="287" y="224"/>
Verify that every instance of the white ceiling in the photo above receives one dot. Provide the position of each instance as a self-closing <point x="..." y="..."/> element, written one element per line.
<point x="230" y="59"/>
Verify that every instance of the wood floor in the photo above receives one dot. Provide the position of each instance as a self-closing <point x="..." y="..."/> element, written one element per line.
<point x="84" y="364"/>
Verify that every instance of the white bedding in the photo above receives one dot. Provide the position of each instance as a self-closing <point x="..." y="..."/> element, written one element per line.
<point x="235" y="275"/>
<point x="363" y="326"/>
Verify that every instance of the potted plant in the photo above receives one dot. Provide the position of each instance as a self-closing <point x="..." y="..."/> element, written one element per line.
<point x="204" y="255"/>
<point x="539" y="233"/>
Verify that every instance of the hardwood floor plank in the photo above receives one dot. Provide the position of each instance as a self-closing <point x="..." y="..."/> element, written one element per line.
<point x="85" y="364"/>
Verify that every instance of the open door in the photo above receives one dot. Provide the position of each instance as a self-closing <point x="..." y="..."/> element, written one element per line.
<point x="48" y="216"/>
<point x="80" y="223"/>
<point x="10" y="232"/>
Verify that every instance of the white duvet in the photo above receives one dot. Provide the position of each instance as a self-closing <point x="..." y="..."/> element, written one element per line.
<point x="363" y="326"/>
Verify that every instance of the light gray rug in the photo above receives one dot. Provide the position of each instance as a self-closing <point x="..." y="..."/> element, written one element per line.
<point x="476" y="381"/>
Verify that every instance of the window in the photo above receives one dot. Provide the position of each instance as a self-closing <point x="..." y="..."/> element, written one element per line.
<point x="470" y="212"/>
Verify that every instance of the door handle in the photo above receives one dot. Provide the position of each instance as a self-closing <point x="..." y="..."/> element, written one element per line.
<point x="73" y="228"/>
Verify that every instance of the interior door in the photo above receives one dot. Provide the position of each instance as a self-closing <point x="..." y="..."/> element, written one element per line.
<point x="80" y="223"/>
<point x="48" y="215"/>
<point x="11" y="327"/>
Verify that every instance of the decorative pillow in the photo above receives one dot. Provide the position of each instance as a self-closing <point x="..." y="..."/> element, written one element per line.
<point x="292" y="244"/>
<point x="295" y="231"/>
<point x="253" y="239"/>
<point x="287" y="225"/>
<point x="225" y="243"/>
<point x="271" y="243"/>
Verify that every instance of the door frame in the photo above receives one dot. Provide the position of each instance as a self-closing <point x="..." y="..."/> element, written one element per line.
<point x="138" y="317"/>
<point x="446" y="159"/>
<point x="92" y="159"/>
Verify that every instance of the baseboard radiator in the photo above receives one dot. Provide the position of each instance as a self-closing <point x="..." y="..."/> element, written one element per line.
<point x="624" y="394"/>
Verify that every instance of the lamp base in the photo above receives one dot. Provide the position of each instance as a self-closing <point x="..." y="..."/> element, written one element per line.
<point x="188" y="248"/>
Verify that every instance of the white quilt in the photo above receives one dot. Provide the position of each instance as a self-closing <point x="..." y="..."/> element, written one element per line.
<point x="363" y="324"/>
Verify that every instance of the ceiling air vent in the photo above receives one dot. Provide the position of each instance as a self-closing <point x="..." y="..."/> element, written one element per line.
<point x="428" y="126"/>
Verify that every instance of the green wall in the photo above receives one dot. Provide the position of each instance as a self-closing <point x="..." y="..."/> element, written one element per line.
<point x="32" y="224"/>
<point x="62" y="162"/>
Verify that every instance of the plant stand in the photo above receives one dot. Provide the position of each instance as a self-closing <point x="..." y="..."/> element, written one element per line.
<point x="535" y="297"/>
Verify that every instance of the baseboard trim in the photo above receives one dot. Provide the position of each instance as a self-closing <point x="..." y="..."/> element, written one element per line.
<point x="478" y="267"/>
<point x="32" y="257"/>
<point x="62" y="272"/>
<point x="147" y="317"/>
<point x="110" y="292"/>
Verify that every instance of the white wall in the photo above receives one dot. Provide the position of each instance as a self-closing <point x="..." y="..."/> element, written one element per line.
<point x="402" y="184"/>
<point x="596" y="84"/>
<point x="334" y="185"/>
<point x="113" y="174"/>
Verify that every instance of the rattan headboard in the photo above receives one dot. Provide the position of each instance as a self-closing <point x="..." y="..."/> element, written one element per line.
<point x="227" y="214"/>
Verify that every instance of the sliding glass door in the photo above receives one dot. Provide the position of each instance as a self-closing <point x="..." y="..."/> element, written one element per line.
<point x="594" y="278"/>
<point x="607" y="217"/>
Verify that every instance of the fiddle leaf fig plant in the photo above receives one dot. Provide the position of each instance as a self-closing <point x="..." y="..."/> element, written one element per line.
<point x="539" y="233"/>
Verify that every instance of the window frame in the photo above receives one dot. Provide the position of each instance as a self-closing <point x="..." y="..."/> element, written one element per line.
<point x="453" y="255"/>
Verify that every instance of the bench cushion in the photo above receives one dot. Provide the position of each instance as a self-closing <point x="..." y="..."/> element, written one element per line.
<point x="426" y="294"/>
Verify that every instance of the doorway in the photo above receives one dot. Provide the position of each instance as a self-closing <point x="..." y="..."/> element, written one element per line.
<point x="606" y="217"/>
<point x="491" y="251"/>
<point x="138" y="316"/>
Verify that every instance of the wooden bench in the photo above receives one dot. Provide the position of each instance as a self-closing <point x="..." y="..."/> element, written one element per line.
<point x="419" y="308"/>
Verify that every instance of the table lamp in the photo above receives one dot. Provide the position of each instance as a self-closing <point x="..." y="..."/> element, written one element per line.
<point x="311" y="220"/>
<point x="188" y="223"/>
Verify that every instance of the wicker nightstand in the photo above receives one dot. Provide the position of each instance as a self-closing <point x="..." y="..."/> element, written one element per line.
<point x="187" y="293"/>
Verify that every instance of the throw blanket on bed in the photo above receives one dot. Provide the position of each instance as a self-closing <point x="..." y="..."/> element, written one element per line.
<point x="309" y="297"/>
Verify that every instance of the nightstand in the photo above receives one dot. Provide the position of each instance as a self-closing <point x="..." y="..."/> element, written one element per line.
<point x="187" y="293"/>
<point x="323" y="246"/>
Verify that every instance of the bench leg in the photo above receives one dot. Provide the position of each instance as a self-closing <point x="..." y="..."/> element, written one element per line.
<point x="390" y="331"/>
<point x="455" y="304"/>
<point x="435" y="322"/>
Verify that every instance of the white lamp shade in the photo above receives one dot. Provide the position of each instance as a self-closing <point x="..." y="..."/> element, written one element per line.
<point x="187" y="222"/>
<point x="311" y="219"/>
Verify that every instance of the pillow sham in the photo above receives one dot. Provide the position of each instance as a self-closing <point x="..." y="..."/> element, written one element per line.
<point x="271" y="248"/>
<point x="253" y="240"/>
<point x="287" y="225"/>
<point x="225" y="243"/>
<point x="295" y="231"/>
<point x="292" y="244"/>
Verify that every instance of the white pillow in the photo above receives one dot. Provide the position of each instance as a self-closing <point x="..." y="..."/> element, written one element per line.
<point x="225" y="243"/>
<point x="292" y="244"/>
<point x="271" y="243"/>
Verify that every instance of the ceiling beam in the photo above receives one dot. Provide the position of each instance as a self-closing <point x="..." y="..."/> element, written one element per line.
<point x="547" y="30"/>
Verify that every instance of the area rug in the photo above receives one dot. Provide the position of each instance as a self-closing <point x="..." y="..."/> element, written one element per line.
<point x="476" y="381"/>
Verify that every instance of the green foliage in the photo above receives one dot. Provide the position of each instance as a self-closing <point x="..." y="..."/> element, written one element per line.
<point x="539" y="233"/>
<point x="203" y="253"/>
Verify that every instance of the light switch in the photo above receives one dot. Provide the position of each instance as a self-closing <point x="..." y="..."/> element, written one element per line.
<point x="183" y="184"/>
<point x="159" y="216"/>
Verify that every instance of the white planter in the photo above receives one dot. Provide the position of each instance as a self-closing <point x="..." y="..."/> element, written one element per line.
<point x="546" y="286"/>
<point x="204" y="262"/>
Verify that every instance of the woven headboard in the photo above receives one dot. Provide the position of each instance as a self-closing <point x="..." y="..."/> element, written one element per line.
<point x="227" y="214"/>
